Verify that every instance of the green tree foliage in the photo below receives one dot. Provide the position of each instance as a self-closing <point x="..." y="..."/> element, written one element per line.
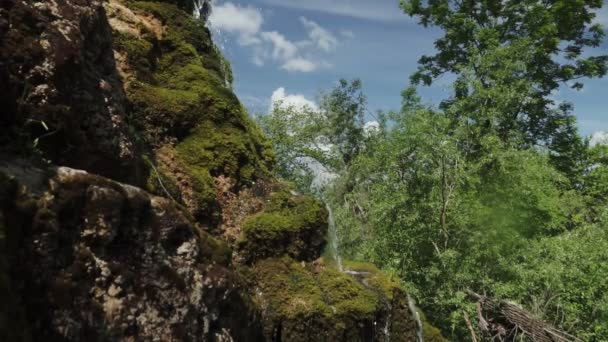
<point x="556" y="27"/>
<point x="527" y="47"/>
<point x="307" y="139"/>
<point x="295" y="138"/>
<point x="563" y="280"/>
<point x="445" y="222"/>
<point x="343" y="109"/>
<point x="494" y="191"/>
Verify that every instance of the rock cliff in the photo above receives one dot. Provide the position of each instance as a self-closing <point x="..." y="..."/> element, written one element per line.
<point x="137" y="199"/>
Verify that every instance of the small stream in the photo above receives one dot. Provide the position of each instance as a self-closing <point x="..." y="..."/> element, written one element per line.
<point x="387" y="325"/>
<point x="202" y="9"/>
<point x="333" y="238"/>
<point x="335" y="253"/>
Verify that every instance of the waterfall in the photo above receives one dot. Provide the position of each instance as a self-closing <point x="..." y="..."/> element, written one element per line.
<point x="387" y="326"/>
<point x="333" y="238"/>
<point x="202" y="9"/>
<point x="412" y="306"/>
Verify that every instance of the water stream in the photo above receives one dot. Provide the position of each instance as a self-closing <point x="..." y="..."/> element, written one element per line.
<point x="202" y="9"/>
<point x="333" y="238"/>
<point x="387" y="325"/>
<point x="412" y="306"/>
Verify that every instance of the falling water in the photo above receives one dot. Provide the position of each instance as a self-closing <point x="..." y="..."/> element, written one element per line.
<point x="202" y="9"/>
<point x="333" y="238"/>
<point x="387" y="325"/>
<point x="412" y="306"/>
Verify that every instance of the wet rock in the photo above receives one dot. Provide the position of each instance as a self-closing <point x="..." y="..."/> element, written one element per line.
<point x="106" y="261"/>
<point x="59" y="87"/>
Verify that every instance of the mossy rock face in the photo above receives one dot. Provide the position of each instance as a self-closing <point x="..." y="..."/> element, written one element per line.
<point x="186" y="5"/>
<point x="390" y="289"/>
<point x="103" y="261"/>
<point x="180" y="95"/>
<point x="290" y="225"/>
<point x="313" y="302"/>
<point x="60" y="93"/>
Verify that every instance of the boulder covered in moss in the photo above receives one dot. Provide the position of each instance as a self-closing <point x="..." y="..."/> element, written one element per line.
<point x="178" y="87"/>
<point x="103" y="261"/>
<point x="291" y="225"/>
<point x="316" y="302"/>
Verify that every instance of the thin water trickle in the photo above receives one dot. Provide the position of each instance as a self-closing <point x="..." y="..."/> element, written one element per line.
<point x="412" y="306"/>
<point x="333" y="238"/>
<point x="387" y="325"/>
<point x="202" y="9"/>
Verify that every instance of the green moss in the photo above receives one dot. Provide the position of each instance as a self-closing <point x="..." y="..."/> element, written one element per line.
<point x="290" y="289"/>
<point x="135" y="48"/>
<point x="376" y="278"/>
<point x="289" y="225"/>
<point x="430" y="333"/>
<point x="185" y="5"/>
<point x="181" y="94"/>
<point x="222" y="150"/>
<point x="213" y="250"/>
<point x="314" y="302"/>
<point x="297" y="290"/>
<point x="347" y="295"/>
<point x="179" y="23"/>
<point x="161" y="112"/>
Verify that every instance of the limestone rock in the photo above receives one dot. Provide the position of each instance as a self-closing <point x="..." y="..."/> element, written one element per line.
<point x="60" y="88"/>
<point x="105" y="261"/>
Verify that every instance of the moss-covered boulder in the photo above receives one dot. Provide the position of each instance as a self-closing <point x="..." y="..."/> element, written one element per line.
<point x="178" y="86"/>
<point x="290" y="225"/>
<point x="103" y="261"/>
<point x="314" y="302"/>
<point x="379" y="280"/>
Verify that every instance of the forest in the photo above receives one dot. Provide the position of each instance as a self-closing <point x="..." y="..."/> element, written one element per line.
<point x="492" y="192"/>
<point x="141" y="199"/>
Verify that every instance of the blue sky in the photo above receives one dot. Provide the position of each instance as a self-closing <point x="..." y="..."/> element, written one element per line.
<point x="296" y="48"/>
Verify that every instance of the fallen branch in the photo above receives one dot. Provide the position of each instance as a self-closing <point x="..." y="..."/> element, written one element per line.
<point x="505" y="321"/>
<point x="470" y="326"/>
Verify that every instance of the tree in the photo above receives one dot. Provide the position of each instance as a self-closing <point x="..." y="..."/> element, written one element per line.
<point x="547" y="37"/>
<point x="296" y="141"/>
<point x="308" y="141"/>
<point x="344" y="110"/>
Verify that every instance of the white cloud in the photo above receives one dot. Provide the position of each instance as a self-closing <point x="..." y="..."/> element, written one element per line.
<point x="348" y="34"/>
<point x="300" y="64"/>
<point x="246" y="22"/>
<point x="602" y="16"/>
<point x="272" y="47"/>
<point x="599" y="138"/>
<point x="285" y="52"/>
<point x="285" y="100"/>
<point x="362" y="9"/>
<point x="319" y="35"/>
<point x="283" y="49"/>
